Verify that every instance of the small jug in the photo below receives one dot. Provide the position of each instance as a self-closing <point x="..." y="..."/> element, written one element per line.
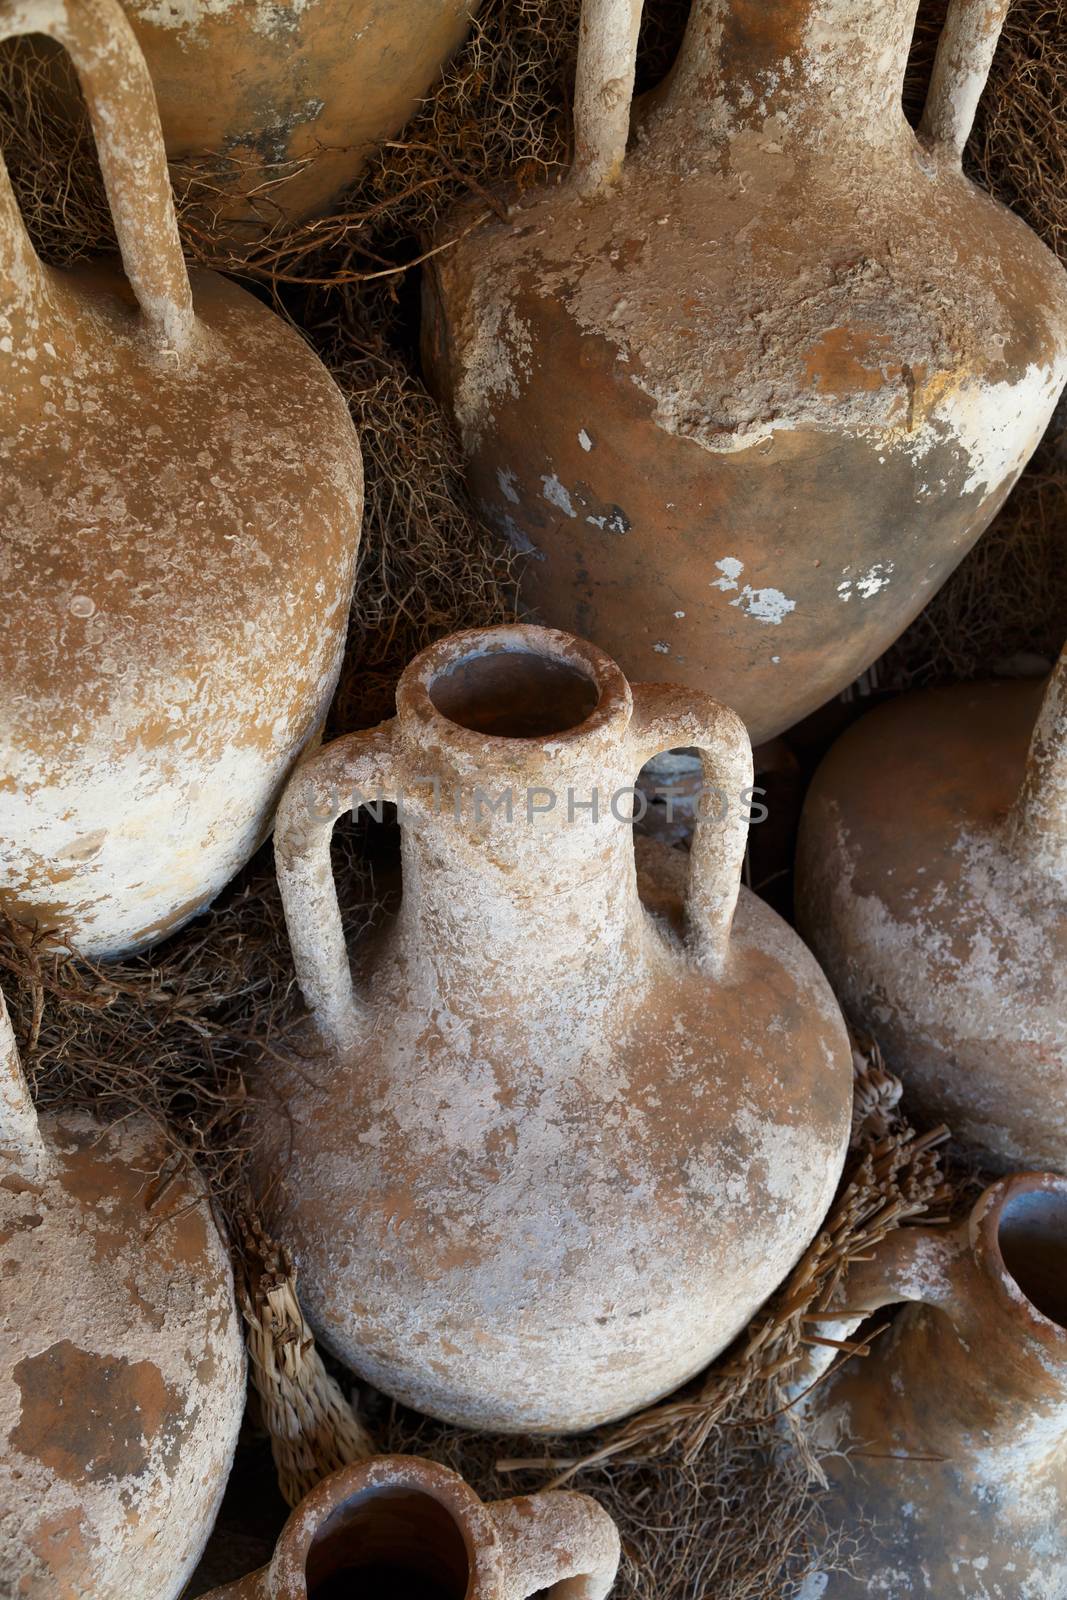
<point x="121" y="1357"/>
<point x="401" y="1528"/>
<point x="544" y="1154"/>
<point x="946" y="1446"/>
<point x="180" y="506"/>
<point x="931" y="883"/>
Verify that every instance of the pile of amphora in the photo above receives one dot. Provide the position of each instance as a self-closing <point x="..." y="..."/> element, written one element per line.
<point x="741" y="388"/>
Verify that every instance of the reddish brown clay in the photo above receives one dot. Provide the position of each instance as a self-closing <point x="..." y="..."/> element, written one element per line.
<point x="946" y="1447"/>
<point x="552" y="1154"/>
<point x="121" y="1357"/>
<point x="283" y="104"/>
<point x="932" y="885"/>
<point x="180" y="503"/>
<point x="746" y="396"/>
<point x="399" y="1526"/>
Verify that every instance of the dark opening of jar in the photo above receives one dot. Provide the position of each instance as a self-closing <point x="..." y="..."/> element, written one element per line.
<point x="514" y="694"/>
<point x="1033" y="1246"/>
<point x="394" y="1542"/>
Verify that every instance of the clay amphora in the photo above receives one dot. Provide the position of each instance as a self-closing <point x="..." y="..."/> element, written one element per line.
<point x="180" y="503"/>
<point x="747" y="395"/>
<point x="401" y="1528"/>
<point x="269" y="111"/>
<point x="932" y="885"/>
<point x="286" y="103"/>
<point x="946" y="1447"/>
<point x="552" y="1154"/>
<point x="121" y="1357"/>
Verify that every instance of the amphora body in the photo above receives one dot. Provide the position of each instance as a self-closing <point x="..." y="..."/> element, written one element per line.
<point x="180" y="505"/>
<point x="399" y="1525"/>
<point x="546" y="1155"/>
<point x="946" y="1447"/>
<point x="278" y="107"/>
<point x="932" y="885"/>
<point x="747" y="394"/>
<point x="121" y="1357"/>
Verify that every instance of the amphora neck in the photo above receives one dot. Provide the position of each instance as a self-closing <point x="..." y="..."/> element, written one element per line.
<point x="515" y="806"/>
<point x="810" y="71"/>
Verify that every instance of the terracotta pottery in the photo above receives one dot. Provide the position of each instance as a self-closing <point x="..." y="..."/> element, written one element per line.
<point x="121" y="1357"/>
<point x="180" y="504"/>
<point x="270" y="110"/>
<point x="932" y="884"/>
<point x="286" y="103"/>
<point x="552" y="1154"/>
<point x="946" y="1447"/>
<point x="401" y="1528"/>
<point x="747" y="395"/>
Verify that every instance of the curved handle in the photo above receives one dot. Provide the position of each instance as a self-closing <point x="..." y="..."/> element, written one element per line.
<point x="603" y="90"/>
<point x="558" y="1541"/>
<point x="1037" y="823"/>
<point x="664" y="718"/>
<point x="964" y="56"/>
<point x="353" y="771"/>
<point x="910" y="1264"/>
<point x="21" y="1143"/>
<point x="122" y="106"/>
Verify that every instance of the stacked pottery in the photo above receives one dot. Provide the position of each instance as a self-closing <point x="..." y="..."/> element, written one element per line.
<point x="556" y="1129"/>
<point x="948" y="1443"/>
<point x="937" y="904"/>
<point x="121" y="1358"/>
<point x="531" y="1120"/>
<point x="399" y="1526"/>
<point x="746" y="395"/>
<point x="181" y="494"/>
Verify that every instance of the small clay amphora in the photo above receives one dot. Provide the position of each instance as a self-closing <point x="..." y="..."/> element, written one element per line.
<point x="746" y="395"/>
<point x="180" y="505"/>
<point x="946" y="1446"/>
<point x="269" y="110"/>
<point x="551" y="1154"/>
<point x="121" y="1356"/>
<point x="932" y="884"/>
<point x="401" y="1528"/>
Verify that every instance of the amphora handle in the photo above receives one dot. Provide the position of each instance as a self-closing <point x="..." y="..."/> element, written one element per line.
<point x="603" y="90"/>
<point x="122" y="107"/>
<point x="21" y="1145"/>
<point x="664" y="718"/>
<point x="1037" y="823"/>
<point x="961" y="67"/>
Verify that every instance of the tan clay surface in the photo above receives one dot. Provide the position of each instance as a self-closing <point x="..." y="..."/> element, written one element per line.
<point x="180" y="504"/>
<point x="121" y="1358"/>
<point x="746" y="397"/>
<point x="548" y="1154"/>
<point x="286" y="102"/>
<point x="410" y="1522"/>
<point x="947" y="1446"/>
<point x="932" y="885"/>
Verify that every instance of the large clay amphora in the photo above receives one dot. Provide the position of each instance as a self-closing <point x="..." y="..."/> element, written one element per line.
<point x="932" y="885"/>
<point x="551" y="1154"/>
<point x="180" y="504"/>
<point x="746" y="395"/>
<point x="121" y="1356"/>
<point x="270" y="110"/>
<point x="946" y="1447"/>
<point x="401" y="1528"/>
